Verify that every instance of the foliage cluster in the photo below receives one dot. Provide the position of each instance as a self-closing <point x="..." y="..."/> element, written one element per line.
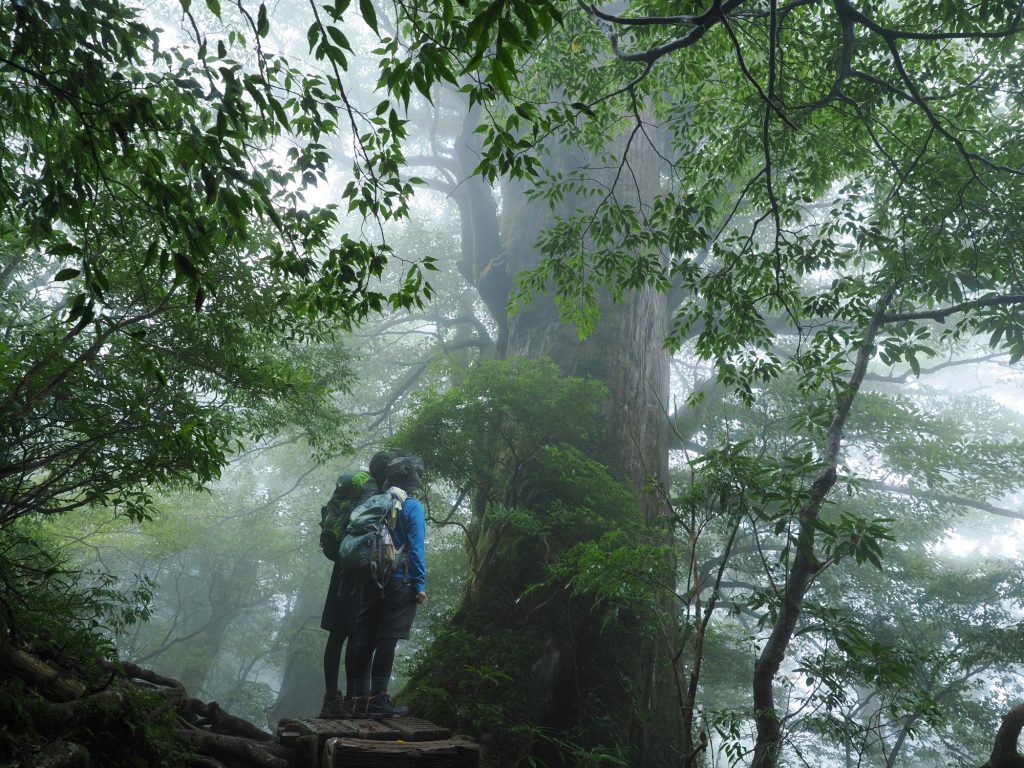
<point x="896" y="634"/>
<point x="517" y="438"/>
<point x="67" y="617"/>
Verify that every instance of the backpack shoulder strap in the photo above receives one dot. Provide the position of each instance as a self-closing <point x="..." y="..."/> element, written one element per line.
<point x="398" y="499"/>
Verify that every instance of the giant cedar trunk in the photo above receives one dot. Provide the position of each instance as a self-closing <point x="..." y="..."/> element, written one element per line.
<point x="607" y="687"/>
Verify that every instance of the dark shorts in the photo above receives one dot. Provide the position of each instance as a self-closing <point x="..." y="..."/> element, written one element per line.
<point x="387" y="614"/>
<point x="341" y="608"/>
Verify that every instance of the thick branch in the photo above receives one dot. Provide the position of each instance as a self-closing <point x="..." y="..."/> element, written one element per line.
<point x="1004" y="751"/>
<point x="940" y="315"/>
<point x="701" y="25"/>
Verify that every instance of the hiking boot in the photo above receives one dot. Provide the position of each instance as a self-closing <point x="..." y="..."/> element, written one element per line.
<point x="337" y="708"/>
<point x="381" y="706"/>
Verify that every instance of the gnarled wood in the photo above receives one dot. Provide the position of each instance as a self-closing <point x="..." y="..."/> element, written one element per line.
<point x="225" y="723"/>
<point x="135" y="672"/>
<point x="55" y="685"/>
<point x="234" y="748"/>
<point x="1004" y="751"/>
<point x="218" y="738"/>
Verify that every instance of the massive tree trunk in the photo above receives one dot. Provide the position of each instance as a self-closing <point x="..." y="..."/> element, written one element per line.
<point x="626" y="675"/>
<point x="302" y="682"/>
<point x="626" y="354"/>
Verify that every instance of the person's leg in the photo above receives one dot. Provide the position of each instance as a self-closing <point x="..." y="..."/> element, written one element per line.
<point x="397" y="615"/>
<point x="332" y="661"/>
<point x="380" y="703"/>
<point x="363" y="660"/>
<point x="365" y="642"/>
<point x="332" y="708"/>
<point x="383" y="661"/>
<point x="351" y="664"/>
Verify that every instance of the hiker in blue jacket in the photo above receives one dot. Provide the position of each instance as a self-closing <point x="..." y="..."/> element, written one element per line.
<point x="387" y="613"/>
<point x="341" y="607"/>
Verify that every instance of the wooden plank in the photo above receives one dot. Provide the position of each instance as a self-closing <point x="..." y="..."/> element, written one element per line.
<point x="364" y="753"/>
<point x="414" y="729"/>
<point x="376" y="730"/>
<point x="307" y="752"/>
<point x="289" y="730"/>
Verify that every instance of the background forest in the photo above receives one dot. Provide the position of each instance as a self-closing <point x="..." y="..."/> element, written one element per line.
<point x="707" y="321"/>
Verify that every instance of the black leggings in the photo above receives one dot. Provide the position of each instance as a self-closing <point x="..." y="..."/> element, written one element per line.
<point x="377" y="658"/>
<point x="332" y="659"/>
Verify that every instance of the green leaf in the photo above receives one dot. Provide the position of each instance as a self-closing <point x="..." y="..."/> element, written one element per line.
<point x="66" y="274"/>
<point x="339" y="38"/>
<point x="369" y="13"/>
<point x="581" y="107"/>
<point x="262" y="22"/>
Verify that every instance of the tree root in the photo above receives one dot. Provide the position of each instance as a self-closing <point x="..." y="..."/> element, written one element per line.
<point x="38" y="674"/>
<point x="235" y="749"/>
<point x="59" y="708"/>
<point x="61" y="754"/>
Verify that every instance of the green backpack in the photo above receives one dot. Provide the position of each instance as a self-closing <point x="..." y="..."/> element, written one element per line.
<point x="367" y="551"/>
<point x="348" y="492"/>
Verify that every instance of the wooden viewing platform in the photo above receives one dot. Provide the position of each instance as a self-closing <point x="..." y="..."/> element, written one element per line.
<point x="392" y="742"/>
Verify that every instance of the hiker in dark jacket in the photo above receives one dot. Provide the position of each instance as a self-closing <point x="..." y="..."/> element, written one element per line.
<point x="387" y="613"/>
<point x="341" y="608"/>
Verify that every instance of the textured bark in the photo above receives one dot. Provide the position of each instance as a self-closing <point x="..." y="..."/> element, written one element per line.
<point x="233" y="748"/>
<point x="76" y="732"/>
<point x="39" y="674"/>
<point x="483" y="263"/>
<point x="625" y="353"/>
<point x="1004" y="752"/>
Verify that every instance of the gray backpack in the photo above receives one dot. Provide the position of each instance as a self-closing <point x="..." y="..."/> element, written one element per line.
<point x="367" y="551"/>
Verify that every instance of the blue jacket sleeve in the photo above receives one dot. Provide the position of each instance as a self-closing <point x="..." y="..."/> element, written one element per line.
<point x="416" y="532"/>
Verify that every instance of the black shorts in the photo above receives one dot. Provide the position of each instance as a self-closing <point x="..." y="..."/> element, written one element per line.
<point x="341" y="608"/>
<point x="388" y="614"/>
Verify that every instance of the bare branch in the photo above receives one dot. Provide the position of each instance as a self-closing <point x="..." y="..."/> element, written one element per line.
<point x="930" y="495"/>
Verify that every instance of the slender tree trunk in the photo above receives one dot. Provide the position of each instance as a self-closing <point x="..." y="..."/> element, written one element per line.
<point x="804" y="567"/>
